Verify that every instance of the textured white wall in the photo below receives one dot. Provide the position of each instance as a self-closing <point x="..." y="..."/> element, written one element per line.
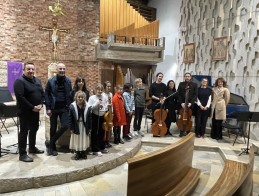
<point x="168" y="12"/>
<point x="237" y="19"/>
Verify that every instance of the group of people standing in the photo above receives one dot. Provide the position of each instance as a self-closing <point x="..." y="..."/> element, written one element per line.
<point x="92" y="119"/>
<point x="30" y="98"/>
<point x="203" y="101"/>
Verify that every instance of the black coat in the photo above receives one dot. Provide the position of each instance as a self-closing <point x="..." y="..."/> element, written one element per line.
<point x="29" y="93"/>
<point x="51" y="92"/>
<point x="171" y="105"/>
<point x="193" y="92"/>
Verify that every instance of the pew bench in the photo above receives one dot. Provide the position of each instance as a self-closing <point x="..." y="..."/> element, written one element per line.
<point x="235" y="179"/>
<point x="187" y="185"/>
<point x="167" y="171"/>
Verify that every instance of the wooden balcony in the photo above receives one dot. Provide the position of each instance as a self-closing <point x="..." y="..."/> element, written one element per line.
<point x="123" y="49"/>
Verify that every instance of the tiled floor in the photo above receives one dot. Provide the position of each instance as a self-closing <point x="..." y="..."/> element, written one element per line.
<point x="114" y="182"/>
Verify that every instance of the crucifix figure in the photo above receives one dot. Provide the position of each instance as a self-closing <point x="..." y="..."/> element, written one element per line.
<point x="55" y="34"/>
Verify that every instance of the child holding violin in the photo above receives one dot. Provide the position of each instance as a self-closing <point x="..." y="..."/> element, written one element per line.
<point x="107" y="135"/>
<point x="99" y="105"/>
<point x="80" y="125"/>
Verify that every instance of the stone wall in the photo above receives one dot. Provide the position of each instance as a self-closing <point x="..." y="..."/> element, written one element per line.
<point x="21" y="40"/>
<point x="3" y="73"/>
<point x="201" y="21"/>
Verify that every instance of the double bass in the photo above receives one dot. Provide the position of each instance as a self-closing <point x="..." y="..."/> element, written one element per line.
<point x="108" y="117"/>
<point x="184" y="122"/>
<point x="159" y="127"/>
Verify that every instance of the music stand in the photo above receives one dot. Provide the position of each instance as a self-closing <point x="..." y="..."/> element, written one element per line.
<point x="254" y="117"/>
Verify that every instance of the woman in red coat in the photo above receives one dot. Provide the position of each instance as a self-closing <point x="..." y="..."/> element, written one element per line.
<point x="119" y="114"/>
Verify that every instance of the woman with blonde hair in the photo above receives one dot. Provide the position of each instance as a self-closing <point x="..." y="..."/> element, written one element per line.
<point x="80" y="125"/>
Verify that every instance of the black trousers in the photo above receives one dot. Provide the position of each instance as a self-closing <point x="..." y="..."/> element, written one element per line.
<point x="171" y="117"/>
<point x="117" y="134"/>
<point x="63" y="115"/>
<point x="201" y="120"/>
<point x="138" y="118"/>
<point x="29" y="125"/>
<point x="97" y="134"/>
<point x="216" y="129"/>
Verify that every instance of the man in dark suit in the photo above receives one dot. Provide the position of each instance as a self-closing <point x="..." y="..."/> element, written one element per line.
<point x="191" y="95"/>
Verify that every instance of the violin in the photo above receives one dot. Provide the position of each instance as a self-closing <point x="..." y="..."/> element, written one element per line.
<point x="159" y="127"/>
<point x="108" y="117"/>
<point x="184" y="122"/>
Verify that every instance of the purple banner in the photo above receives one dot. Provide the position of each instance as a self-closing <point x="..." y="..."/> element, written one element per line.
<point x="14" y="70"/>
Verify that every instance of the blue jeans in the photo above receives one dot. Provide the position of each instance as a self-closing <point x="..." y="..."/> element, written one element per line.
<point x="63" y="115"/>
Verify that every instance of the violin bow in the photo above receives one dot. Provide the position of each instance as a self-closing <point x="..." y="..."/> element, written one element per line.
<point x="167" y="98"/>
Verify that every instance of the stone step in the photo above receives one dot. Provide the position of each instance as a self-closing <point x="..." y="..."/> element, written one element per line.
<point x="49" y="170"/>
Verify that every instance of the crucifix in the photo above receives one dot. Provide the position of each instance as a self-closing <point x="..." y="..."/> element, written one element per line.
<point x="54" y="38"/>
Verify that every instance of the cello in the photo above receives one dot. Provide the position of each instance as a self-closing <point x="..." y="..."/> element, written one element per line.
<point x="108" y="117"/>
<point x="159" y="127"/>
<point x="184" y="122"/>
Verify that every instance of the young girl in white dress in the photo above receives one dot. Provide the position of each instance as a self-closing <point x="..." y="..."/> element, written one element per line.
<point x="80" y="125"/>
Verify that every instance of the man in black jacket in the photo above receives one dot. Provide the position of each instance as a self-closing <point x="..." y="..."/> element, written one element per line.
<point x="192" y="89"/>
<point x="57" y="97"/>
<point x="29" y="96"/>
<point x="157" y="93"/>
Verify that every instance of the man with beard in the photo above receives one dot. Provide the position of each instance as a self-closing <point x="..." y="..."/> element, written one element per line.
<point x="192" y="91"/>
<point x="57" y="97"/>
<point x="29" y="96"/>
